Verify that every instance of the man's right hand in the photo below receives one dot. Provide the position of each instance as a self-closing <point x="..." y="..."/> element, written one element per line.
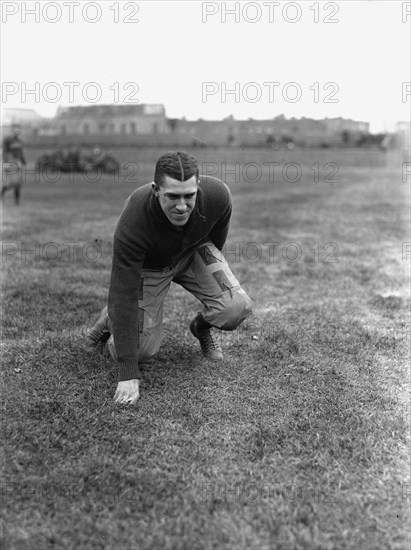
<point x="127" y="392"/>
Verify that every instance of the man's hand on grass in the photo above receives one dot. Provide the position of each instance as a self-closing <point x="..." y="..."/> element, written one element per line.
<point x="127" y="392"/>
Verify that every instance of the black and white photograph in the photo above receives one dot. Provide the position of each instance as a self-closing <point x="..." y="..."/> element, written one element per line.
<point x="206" y="251"/>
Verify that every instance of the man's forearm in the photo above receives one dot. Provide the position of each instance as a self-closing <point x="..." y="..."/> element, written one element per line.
<point x="124" y="318"/>
<point x="123" y="310"/>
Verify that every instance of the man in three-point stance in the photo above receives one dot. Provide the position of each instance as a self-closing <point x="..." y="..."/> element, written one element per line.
<point x="170" y="230"/>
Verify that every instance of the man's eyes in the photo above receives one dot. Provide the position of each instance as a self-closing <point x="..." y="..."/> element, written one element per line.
<point x="176" y="197"/>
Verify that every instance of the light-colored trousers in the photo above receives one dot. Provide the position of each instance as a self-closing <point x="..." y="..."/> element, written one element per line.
<point x="12" y="174"/>
<point x="207" y="276"/>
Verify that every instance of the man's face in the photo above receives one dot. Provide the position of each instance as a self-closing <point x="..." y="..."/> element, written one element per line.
<point x="177" y="198"/>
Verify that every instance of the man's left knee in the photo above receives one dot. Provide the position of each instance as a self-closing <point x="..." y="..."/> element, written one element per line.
<point x="237" y="308"/>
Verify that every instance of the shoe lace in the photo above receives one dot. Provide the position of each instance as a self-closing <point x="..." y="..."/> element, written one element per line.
<point x="98" y="335"/>
<point x="207" y="341"/>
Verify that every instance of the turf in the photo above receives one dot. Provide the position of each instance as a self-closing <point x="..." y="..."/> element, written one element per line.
<point x="299" y="439"/>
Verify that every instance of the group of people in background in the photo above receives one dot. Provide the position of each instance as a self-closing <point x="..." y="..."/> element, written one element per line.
<point x="71" y="158"/>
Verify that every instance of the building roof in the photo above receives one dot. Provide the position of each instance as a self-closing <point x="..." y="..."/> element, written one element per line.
<point x="10" y="116"/>
<point x="97" y="111"/>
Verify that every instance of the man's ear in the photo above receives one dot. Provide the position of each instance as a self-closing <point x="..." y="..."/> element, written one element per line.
<point x="155" y="189"/>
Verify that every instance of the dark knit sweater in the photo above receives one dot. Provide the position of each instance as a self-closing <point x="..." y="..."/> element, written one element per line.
<point x="13" y="149"/>
<point x="145" y="239"/>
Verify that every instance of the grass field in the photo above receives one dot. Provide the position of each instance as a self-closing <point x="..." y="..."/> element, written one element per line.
<point x="299" y="439"/>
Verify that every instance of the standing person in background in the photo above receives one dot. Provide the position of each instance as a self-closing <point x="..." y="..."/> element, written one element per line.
<point x="13" y="161"/>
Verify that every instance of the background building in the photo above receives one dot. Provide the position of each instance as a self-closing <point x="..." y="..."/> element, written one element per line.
<point x="28" y="118"/>
<point x="278" y="130"/>
<point x="148" y="125"/>
<point x="115" y="120"/>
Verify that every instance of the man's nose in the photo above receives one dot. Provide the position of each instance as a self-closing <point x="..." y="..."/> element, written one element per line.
<point x="181" y="205"/>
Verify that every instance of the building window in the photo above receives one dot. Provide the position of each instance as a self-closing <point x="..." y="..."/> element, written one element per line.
<point x="86" y="129"/>
<point x="123" y="128"/>
<point x="133" y="128"/>
<point x="155" y="128"/>
<point x="112" y="128"/>
<point x="102" y="127"/>
<point x="63" y="130"/>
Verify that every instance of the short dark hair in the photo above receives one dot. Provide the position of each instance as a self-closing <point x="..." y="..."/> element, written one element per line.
<point x="176" y="164"/>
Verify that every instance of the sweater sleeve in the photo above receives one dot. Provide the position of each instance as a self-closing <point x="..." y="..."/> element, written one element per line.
<point x="218" y="234"/>
<point x="128" y="258"/>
